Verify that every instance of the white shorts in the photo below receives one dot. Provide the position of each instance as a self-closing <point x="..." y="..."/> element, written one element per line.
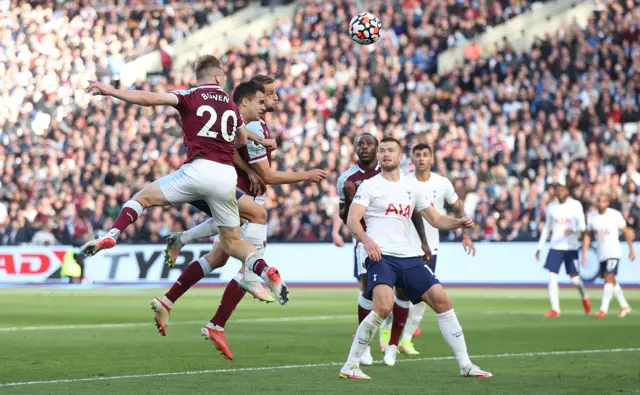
<point x="360" y="256"/>
<point x="243" y="228"/>
<point x="205" y="180"/>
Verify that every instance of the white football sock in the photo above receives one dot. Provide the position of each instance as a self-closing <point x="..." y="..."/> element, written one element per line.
<point x="607" y="293"/>
<point x="365" y="303"/>
<point x="577" y="281"/>
<point x="617" y="292"/>
<point x="452" y="333"/>
<point x="256" y="234"/>
<point x="366" y="331"/>
<point x="386" y="324"/>
<point x="554" y="292"/>
<point x="206" y="229"/>
<point x="415" y="317"/>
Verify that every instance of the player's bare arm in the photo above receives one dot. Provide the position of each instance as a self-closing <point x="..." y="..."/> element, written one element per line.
<point x="257" y="184"/>
<point x="586" y="242"/>
<point x="275" y="177"/>
<point x="349" y="190"/>
<point x="133" y="96"/>
<point x="337" y="225"/>
<point x="356" y="212"/>
<point x="445" y="222"/>
<point x="267" y="143"/>
<point x="418" y="223"/>
<point x="468" y="245"/>
<point x="629" y="236"/>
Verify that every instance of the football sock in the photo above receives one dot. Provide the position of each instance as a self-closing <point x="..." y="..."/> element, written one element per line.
<point x="617" y="292"/>
<point x="256" y="234"/>
<point x="191" y="275"/>
<point x="128" y="215"/>
<point x="231" y="297"/>
<point x="577" y="281"/>
<point x="416" y="312"/>
<point x="366" y="330"/>
<point x="554" y="291"/>
<point x="452" y="333"/>
<point x="206" y="229"/>
<point x="607" y="293"/>
<point x="400" y="315"/>
<point x="364" y="307"/>
<point x="256" y="264"/>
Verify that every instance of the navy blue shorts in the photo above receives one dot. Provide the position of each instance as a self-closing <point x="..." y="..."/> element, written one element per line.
<point x="555" y="258"/>
<point x="410" y="274"/>
<point x="432" y="265"/>
<point x="609" y="266"/>
<point x="204" y="207"/>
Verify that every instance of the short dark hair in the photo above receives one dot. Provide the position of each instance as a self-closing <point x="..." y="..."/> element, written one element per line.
<point x="205" y="65"/>
<point x="247" y="90"/>
<point x="367" y="135"/>
<point x="420" y="147"/>
<point x="390" y="139"/>
<point x="263" y="79"/>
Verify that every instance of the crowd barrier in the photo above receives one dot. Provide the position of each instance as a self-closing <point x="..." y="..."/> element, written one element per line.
<point x="323" y="264"/>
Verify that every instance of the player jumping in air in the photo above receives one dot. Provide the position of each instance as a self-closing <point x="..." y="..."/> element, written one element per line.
<point x="250" y="205"/>
<point x="564" y="219"/>
<point x="210" y="122"/>
<point x="437" y="189"/>
<point x="605" y="224"/>
<point x="387" y="202"/>
<point x="348" y="184"/>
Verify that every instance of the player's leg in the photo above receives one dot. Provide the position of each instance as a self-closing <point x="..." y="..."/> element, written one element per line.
<point x="420" y="284"/>
<point x="365" y="302"/>
<point x="552" y="264"/>
<point x="625" y="309"/>
<point x="400" y="315"/>
<point x="381" y="278"/>
<point x="571" y="266"/>
<point x="193" y="273"/>
<point x="412" y="328"/>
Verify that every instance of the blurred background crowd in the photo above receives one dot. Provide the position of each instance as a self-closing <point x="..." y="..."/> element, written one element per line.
<point x="504" y="126"/>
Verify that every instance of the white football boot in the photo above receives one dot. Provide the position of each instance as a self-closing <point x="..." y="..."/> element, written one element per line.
<point x="390" y="355"/>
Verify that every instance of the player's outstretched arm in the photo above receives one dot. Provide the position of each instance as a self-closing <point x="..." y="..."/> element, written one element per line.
<point x="445" y="222"/>
<point x="466" y="233"/>
<point x="257" y="184"/>
<point x="133" y="96"/>
<point x="267" y="143"/>
<point x="275" y="177"/>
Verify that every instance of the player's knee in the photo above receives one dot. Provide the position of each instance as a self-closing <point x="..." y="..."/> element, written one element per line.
<point x="443" y="305"/>
<point x="257" y="216"/>
<point x="383" y="310"/>
<point x="609" y="278"/>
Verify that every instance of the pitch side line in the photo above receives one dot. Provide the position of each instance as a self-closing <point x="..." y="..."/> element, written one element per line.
<point x="174" y="323"/>
<point x="260" y="320"/>
<point x="315" y="365"/>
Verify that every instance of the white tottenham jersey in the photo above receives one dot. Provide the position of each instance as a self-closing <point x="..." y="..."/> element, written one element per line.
<point x="560" y="217"/>
<point x="607" y="230"/>
<point x="437" y="189"/>
<point x="390" y="206"/>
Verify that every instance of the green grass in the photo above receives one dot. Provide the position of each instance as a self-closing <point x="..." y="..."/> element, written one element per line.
<point x="495" y="322"/>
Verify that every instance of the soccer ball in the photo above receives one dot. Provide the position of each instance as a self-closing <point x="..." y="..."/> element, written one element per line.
<point x="365" y="28"/>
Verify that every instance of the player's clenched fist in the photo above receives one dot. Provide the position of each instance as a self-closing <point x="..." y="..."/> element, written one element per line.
<point x="373" y="250"/>
<point x="98" y="88"/>
<point x="317" y="175"/>
<point x="467" y="222"/>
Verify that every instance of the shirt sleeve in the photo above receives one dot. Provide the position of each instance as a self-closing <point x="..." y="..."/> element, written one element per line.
<point x="181" y="95"/>
<point x="364" y="194"/>
<point x="450" y="193"/>
<point x="340" y="186"/>
<point x="256" y="151"/>
<point x="422" y="202"/>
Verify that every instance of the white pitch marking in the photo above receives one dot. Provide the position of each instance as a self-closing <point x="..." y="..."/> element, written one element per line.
<point x="315" y="365"/>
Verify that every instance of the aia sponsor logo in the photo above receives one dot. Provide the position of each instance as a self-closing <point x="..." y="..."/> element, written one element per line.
<point x="402" y="210"/>
<point x="562" y="221"/>
<point x="604" y="232"/>
<point x="29" y="264"/>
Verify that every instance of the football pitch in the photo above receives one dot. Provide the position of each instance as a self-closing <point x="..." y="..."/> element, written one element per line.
<point x="102" y="341"/>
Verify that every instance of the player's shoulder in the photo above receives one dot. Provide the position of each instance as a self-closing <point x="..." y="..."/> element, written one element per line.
<point x="256" y="127"/>
<point x="349" y="172"/>
<point x="612" y="212"/>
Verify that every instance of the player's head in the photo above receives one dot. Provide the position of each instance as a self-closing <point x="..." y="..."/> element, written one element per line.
<point x="366" y="148"/>
<point x="604" y="199"/>
<point x="270" y="96"/>
<point x="249" y="97"/>
<point x="422" y="157"/>
<point x="562" y="192"/>
<point x="209" y="70"/>
<point x="389" y="153"/>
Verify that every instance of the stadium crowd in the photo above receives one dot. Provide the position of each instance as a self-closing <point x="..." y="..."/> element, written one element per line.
<point x="503" y="128"/>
